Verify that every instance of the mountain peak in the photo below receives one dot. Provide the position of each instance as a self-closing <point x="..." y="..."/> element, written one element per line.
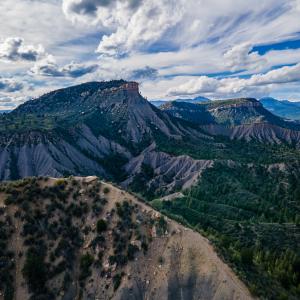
<point x="283" y="108"/>
<point x="81" y="96"/>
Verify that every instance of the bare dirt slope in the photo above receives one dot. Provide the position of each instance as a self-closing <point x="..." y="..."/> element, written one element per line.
<point x="137" y="255"/>
<point x="180" y="265"/>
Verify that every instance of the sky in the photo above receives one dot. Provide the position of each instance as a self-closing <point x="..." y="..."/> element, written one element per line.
<point x="173" y="48"/>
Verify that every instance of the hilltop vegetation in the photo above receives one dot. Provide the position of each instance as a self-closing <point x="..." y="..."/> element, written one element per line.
<point x="80" y="238"/>
<point x="62" y="227"/>
<point x="24" y="123"/>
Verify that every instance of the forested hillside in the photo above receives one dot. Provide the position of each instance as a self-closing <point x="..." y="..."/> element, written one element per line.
<point x="251" y="213"/>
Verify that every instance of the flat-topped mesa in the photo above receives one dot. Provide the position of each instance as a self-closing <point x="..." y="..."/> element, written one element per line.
<point x="234" y="103"/>
<point x="128" y="92"/>
<point x="131" y="86"/>
<point x="246" y="102"/>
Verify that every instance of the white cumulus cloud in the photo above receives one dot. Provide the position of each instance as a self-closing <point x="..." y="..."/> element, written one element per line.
<point x="285" y="74"/>
<point x="239" y="57"/>
<point x="202" y="84"/>
<point x="49" y="67"/>
<point x="131" y="24"/>
<point x="234" y="86"/>
<point x="10" y="85"/>
<point x="14" y="49"/>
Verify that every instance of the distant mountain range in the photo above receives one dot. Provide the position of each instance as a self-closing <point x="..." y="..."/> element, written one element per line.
<point x="158" y="103"/>
<point x="4" y="111"/>
<point x="283" y="108"/>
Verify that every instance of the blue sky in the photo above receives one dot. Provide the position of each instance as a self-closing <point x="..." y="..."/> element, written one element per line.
<point x="283" y="45"/>
<point x="183" y="48"/>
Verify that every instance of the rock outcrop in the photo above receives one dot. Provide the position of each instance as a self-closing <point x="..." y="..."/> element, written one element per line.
<point x="169" y="172"/>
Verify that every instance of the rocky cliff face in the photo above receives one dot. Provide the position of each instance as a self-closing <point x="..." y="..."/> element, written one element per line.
<point x="83" y="238"/>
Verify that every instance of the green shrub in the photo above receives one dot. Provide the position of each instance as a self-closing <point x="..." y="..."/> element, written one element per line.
<point x="35" y="271"/>
<point x="106" y="190"/>
<point x="161" y="226"/>
<point x="60" y="182"/>
<point x="132" y="249"/>
<point x="101" y="226"/>
<point x="161" y="260"/>
<point x="86" y="261"/>
<point x="117" y="279"/>
<point x="247" y="256"/>
<point x="9" y="200"/>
